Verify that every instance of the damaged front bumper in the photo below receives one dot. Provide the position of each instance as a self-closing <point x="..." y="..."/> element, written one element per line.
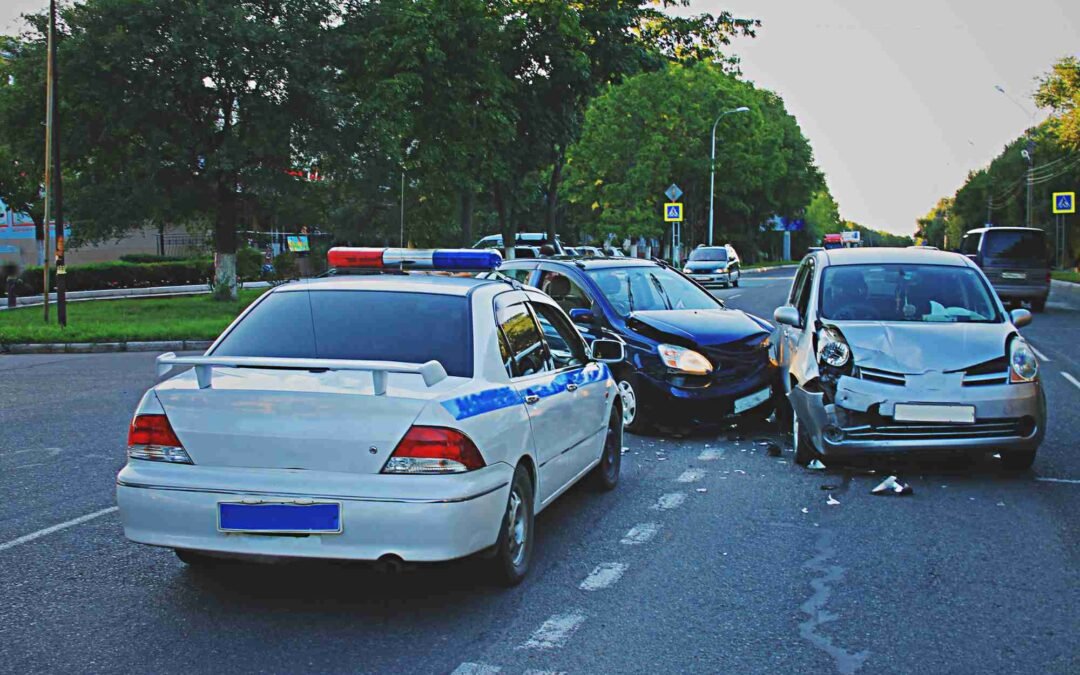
<point x="861" y="420"/>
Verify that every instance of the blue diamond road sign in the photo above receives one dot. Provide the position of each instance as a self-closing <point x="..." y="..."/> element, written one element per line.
<point x="673" y="192"/>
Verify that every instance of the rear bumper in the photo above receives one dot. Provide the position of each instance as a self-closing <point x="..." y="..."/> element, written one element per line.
<point x="1022" y="292"/>
<point x="432" y="518"/>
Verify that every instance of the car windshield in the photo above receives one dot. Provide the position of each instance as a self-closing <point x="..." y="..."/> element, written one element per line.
<point x="1014" y="245"/>
<point x="638" y="289"/>
<point x="360" y="325"/>
<point x="926" y="293"/>
<point x="708" y="254"/>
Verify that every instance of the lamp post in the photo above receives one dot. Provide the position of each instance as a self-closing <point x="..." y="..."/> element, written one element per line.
<point x="1029" y="152"/>
<point x="712" y="166"/>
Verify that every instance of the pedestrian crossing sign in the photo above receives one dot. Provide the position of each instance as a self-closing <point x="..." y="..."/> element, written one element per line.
<point x="673" y="212"/>
<point x="1064" y="202"/>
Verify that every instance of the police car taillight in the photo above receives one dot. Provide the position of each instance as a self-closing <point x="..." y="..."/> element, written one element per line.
<point x="152" y="438"/>
<point x="413" y="259"/>
<point x="434" y="450"/>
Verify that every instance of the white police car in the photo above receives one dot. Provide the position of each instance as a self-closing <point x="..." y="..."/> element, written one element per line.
<point x="387" y="416"/>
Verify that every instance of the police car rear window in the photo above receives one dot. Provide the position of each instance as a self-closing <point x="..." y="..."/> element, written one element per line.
<point x="363" y="325"/>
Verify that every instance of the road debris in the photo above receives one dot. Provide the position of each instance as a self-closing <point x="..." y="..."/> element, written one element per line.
<point x="892" y="486"/>
<point x="829" y="487"/>
<point x="740" y="471"/>
<point x="832" y="502"/>
<point x="703" y="489"/>
<point x="805" y="510"/>
<point x="816" y="465"/>
<point x="772" y="450"/>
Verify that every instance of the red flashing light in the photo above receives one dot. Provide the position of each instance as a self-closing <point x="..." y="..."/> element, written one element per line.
<point x="355" y="257"/>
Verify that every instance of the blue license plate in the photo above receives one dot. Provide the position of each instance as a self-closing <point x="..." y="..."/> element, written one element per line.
<point x="279" y="518"/>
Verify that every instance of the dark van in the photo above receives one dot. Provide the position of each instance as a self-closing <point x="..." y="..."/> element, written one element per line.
<point x="1014" y="259"/>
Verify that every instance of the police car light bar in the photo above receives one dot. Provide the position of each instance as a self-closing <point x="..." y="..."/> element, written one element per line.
<point x="465" y="259"/>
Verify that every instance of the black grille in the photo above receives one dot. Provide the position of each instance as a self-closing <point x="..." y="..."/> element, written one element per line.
<point x="738" y="360"/>
<point x="903" y="431"/>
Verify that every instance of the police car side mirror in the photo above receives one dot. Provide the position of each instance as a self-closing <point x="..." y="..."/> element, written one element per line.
<point x="1020" y="317"/>
<point x="607" y="351"/>
<point x="581" y="315"/>
<point x="787" y="315"/>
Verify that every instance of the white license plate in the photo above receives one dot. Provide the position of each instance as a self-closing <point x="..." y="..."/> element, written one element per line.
<point x="1014" y="275"/>
<point x="953" y="414"/>
<point x="753" y="400"/>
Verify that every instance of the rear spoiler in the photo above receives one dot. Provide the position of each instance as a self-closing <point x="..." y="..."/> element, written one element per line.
<point x="432" y="371"/>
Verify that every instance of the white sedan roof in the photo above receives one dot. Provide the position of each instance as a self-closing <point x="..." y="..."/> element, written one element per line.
<point x="402" y="283"/>
<point x="885" y="256"/>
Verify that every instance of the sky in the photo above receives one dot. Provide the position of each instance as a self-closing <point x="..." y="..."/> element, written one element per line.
<point x="898" y="99"/>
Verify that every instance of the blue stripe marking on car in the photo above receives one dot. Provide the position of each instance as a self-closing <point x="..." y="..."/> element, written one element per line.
<point x="491" y="400"/>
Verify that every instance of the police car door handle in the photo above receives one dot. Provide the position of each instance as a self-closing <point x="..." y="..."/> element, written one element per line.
<point x="532" y="398"/>
<point x="571" y="387"/>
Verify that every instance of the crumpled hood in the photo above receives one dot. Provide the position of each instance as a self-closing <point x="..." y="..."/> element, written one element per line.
<point x="705" y="327"/>
<point x="916" y="348"/>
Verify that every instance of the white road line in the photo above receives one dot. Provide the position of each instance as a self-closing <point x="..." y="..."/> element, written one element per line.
<point x="476" y="669"/>
<point x="25" y="539"/>
<point x="732" y="297"/>
<point x="555" y="632"/>
<point x="691" y="476"/>
<point x="1042" y="357"/>
<point x="672" y="500"/>
<point x="605" y="574"/>
<point x="710" y="455"/>
<point x="530" y="671"/>
<point x="1070" y="481"/>
<point x="641" y="534"/>
<point x="1070" y="378"/>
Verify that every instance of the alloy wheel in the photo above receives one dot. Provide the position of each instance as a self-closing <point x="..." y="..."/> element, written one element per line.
<point x="629" y="402"/>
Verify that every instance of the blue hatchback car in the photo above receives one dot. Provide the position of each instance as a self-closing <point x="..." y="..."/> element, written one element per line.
<point x="688" y="357"/>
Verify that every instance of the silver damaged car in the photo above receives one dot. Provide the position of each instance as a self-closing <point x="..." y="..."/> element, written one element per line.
<point x="905" y="350"/>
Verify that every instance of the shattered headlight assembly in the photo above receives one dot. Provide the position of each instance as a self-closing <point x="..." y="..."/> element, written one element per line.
<point x="1023" y="366"/>
<point x="833" y="349"/>
<point x="684" y="360"/>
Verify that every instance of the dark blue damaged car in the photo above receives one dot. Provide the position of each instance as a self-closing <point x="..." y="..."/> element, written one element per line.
<point x="689" y="359"/>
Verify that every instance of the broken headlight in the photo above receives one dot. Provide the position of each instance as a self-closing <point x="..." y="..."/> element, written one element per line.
<point x="833" y="350"/>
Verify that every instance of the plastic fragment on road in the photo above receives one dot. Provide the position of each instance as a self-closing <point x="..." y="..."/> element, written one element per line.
<point x="816" y="465"/>
<point x="1001" y="504"/>
<point x="740" y="471"/>
<point x="703" y="489"/>
<point x="772" y="450"/>
<point x="892" y="486"/>
<point x="805" y="510"/>
<point x="625" y="450"/>
<point x="832" y="502"/>
<point x="827" y="487"/>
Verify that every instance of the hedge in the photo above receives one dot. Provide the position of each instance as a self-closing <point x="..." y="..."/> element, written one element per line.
<point x="119" y="274"/>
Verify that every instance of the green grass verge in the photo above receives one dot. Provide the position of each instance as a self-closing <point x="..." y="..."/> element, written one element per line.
<point x="192" y="317"/>
<point x="1070" y="276"/>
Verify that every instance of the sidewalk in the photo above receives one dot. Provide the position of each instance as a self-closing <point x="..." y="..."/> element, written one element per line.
<point x="115" y="293"/>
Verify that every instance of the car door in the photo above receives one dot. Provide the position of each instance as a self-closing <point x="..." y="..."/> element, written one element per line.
<point x="799" y="298"/>
<point x="533" y="376"/>
<point x="570" y="295"/>
<point x="587" y="383"/>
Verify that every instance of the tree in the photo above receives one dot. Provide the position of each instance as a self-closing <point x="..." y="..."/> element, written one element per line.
<point x="822" y="217"/>
<point x="1060" y="92"/>
<point x="654" y="129"/>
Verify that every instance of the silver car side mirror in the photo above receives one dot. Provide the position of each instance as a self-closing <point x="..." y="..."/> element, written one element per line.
<point x="787" y="315"/>
<point x="1020" y="317"/>
<point x="607" y="351"/>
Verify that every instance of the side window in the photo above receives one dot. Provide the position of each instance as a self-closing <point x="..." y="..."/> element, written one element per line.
<point x="564" y="343"/>
<point x="800" y="280"/>
<point x="803" y="301"/>
<point x="521" y="274"/>
<point x="969" y="245"/>
<point x="564" y="291"/>
<point x="523" y="343"/>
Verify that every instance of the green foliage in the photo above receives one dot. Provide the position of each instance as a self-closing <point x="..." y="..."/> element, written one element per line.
<point x="1060" y="92"/>
<point x="149" y="258"/>
<point x="106" y="275"/>
<point x="654" y="129"/>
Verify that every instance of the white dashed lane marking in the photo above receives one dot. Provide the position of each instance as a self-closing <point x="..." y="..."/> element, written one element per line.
<point x="25" y="539"/>
<point x="476" y="669"/>
<point x="1070" y="378"/>
<point x="669" y="501"/>
<point x="1069" y="481"/>
<point x="710" y="455"/>
<point x="556" y="631"/>
<point x="640" y="534"/>
<point x="691" y="476"/>
<point x="605" y="575"/>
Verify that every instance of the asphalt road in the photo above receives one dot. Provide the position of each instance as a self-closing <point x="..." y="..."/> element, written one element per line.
<point x="710" y="557"/>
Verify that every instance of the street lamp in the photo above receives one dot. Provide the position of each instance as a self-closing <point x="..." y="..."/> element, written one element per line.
<point x="712" y="167"/>
<point x="1029" y="153"/>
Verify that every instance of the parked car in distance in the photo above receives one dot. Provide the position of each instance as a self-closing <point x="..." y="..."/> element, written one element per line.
<point x="714" y="265"/>
<point x="535" y="239"/>
<point x="571" y="251"/>
<point x="303" y="433"/>
<point x="901" y="350"/>
<point x="591" y="251"/>
<point x="1014" y="259"/>
<point x="688" y="357"/>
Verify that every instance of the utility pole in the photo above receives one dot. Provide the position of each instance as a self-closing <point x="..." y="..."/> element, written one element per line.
<point x="712" y="167"/>
<point x="57" y="176"/>
<point x="50" y="94"/>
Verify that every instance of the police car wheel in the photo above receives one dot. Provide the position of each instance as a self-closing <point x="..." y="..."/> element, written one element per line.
<point x="606" y="474"/>
<point x="513" y="549"/>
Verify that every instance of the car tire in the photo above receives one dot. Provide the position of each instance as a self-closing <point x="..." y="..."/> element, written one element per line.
<point x="1018" y="461"/>
<point x="1038" y="306"/>
<point x="800" y="441"/>
<point x="634" y="417"/>
<point x="605" y="476"/>
<point x="513" y="548"/>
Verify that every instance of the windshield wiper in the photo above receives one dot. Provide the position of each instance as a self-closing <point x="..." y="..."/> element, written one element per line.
<point x="629" y="293"/>
<point x="660" y="288"/>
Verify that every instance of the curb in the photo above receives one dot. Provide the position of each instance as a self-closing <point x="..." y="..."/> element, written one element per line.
<point x="106" y="347"/>
<point x="117" y="293"/>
